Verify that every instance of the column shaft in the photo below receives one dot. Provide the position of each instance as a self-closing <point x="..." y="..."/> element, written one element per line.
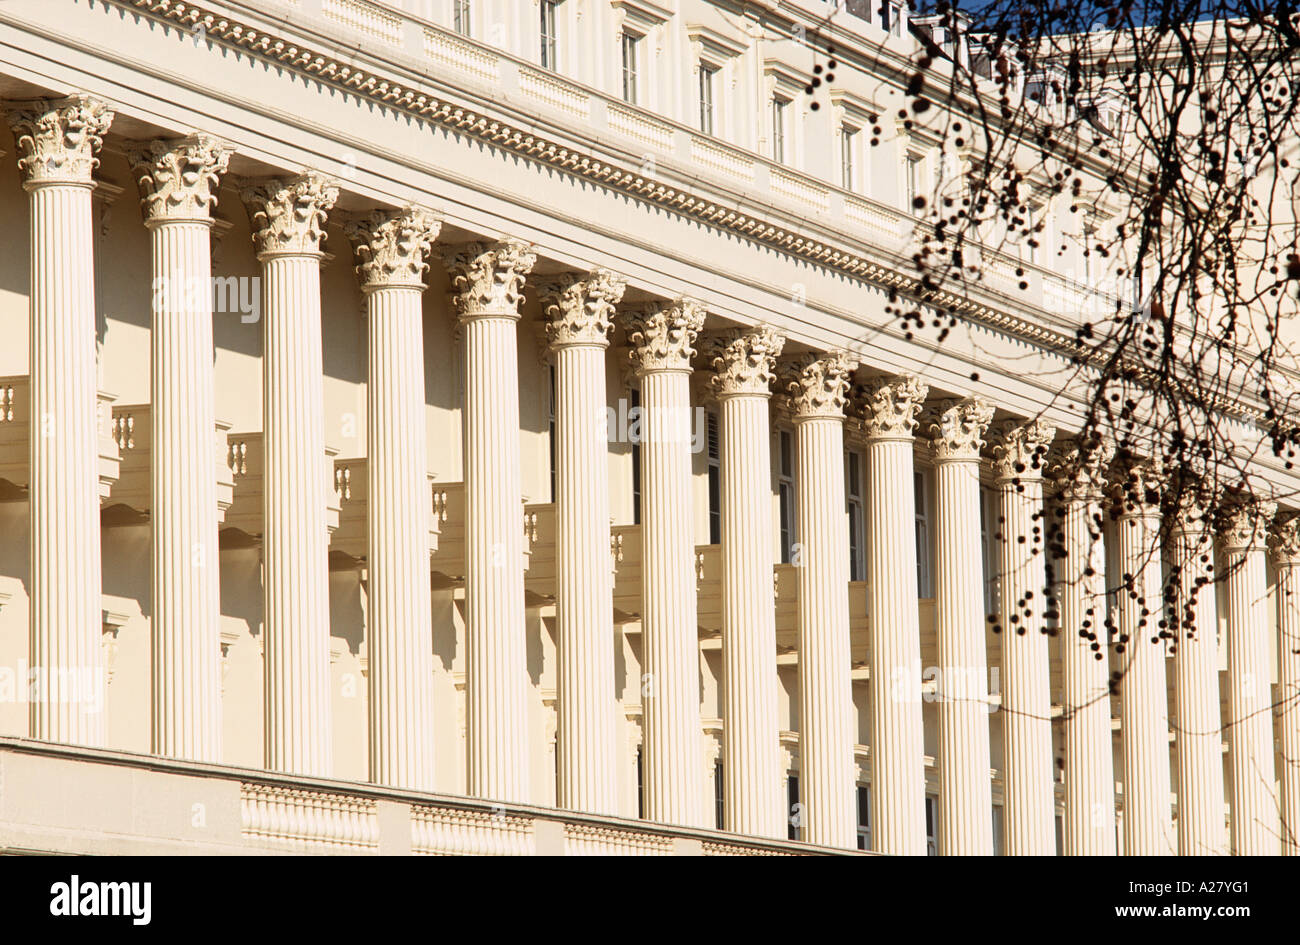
<point x="186" y="603"/>
<point x="1144" y="712"/>
<point x="399" y="641"/>
<point x="1198" y="729"/>
<point x="826" y="736"/>
<point x="585" y="633"/>
<point x="965" y="791"/>
<point x="753" y="801"/>
<point x="1288" y="700"/>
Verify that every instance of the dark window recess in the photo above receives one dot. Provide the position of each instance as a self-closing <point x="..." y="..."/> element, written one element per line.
<point x="634" y="401"/>
<point x="793" y="814"/>
<point x="718" y="808"/>
<point x="715" y="481"/>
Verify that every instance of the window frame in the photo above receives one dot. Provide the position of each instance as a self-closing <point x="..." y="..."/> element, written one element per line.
<point x="787" y="497"/>
<point x="548" y="34"/>
<point x="713" y="462"/>
<point x="853" y="501"/>
<point x="630" y="50"/>
<point x="707" y="96"/>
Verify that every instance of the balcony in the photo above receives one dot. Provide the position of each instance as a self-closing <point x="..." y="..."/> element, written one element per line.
<point x="15" y="431"/>
<point x="246" y="457"/>
<point x="133" y="433"/>
<point x="147" y="805"/>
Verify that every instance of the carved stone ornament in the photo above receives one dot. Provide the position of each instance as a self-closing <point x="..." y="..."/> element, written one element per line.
<point x="1077" y="468"/>
<point x="58" y="140"/>
<point x="1284" y="540"/>
<point x="662" y="335"/>
<point x="744" y="360"/>
<point x="890" y="406"/>
<point x="393" y="246"/>
<point x="957" y="428"/>
<point x="579" y="308"/>
<point x="288" y="215"/>
<point x="1244" y="525"/>
<point x="178" y="179"/>
<point x="1020" y="449"/>
<point x="816" y="385"/>
<point x="488" y="278"/>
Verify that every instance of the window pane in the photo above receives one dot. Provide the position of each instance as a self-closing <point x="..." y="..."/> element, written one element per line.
<point x="629" y="68"/>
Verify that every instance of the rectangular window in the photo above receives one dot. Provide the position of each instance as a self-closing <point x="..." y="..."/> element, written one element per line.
<point x="922" y="534"/>
<point x="708" y="76"/>
<point x="631" y="46"/>
<point x="792" y="815"/>
<point x="550" y="427"/>
<point x="931" y="825"/>
<point x="848" y="157"/>
<point x="988" y="514"/>
<point x="719" y="810"/>
<point x="853" y="489"/>
<point x="864" y="817"/>
<point x="913" y="189"/>
<point x="785" y="492"/>
<point x="891" y="18"/>
<point x="460" y="16"/>
<point x="780" y="109"/>
<point x="634" y="402"/>
<point x="548" y="36"/>
<point x="715" y="479"/>
<point x="997" y="829"/>
<point x="640" y="784"/>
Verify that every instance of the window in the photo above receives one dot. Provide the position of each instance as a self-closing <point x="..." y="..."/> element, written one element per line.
<point x="988" y="513"/>
<point x="793" y="815"/>
<point x="640" y="784"/>
<point x="708" y="77"/>
<point x="550" y="427"/>
<point x="997" y="830"/>
<point x="548" y="50"/>
<point x="912" y="168"/>
<point x="931" y="823"/>
<point x="719" y="806"/>
<point x="785" y="492"/>
<point x="848" y="157"/>
<point x="460" y="16"/>
<point x="891" y="18"/>
<point x="634" y="401"/>
<point x="1088" y="237"/>
<point x="920" y="480"/>
<point x="864" y="817"/>
<point x="715" y="480"/>
<point x="780" y="110"/>
<point x="853" y="490"/>
<point x="631" y="47"/>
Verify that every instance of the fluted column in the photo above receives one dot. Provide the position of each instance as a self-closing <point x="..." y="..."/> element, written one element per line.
<point x="392" y="248"/>
<point x="1144" y="705"/>
<point x="965" y="792"/>
<point x="1286" y="559"/>
<point x="579" y="309"/>
<point x="1256" y="826"/>
<point x="57" y="142"/>
<point x="1198" y="727"/>
<point x="817" y="386"/>
<point x="662" y="337"/>
<point x="754" y="804"/>
<point x="288" y="218"/>
<point x="897" y="746"/>
<point x="488" y="281"/>
<point x="178" y="183"/>
<point x="1089" y="820"/>
<point x="1029" y="819"/>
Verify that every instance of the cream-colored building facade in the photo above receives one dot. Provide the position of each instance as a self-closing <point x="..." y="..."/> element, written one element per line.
<point x="454" y="427"/>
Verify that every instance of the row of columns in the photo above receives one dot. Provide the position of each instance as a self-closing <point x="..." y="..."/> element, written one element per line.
<point x="178" y="182"/>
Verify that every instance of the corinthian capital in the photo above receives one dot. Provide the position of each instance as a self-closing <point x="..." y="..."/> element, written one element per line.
<point x="958" y="426"/>
<point x="890" y="407"/>
<point x="1284" y="541"/>
<point x="662" y="335"/>
<point x="1139" y="485"/>
<point x="393" y="246"/>
<point x="1020" y="449"/>
<point x="744" y="360"/>
<point x="1244" y="525"/>
<point x="488" y="278"/>
<point x="579" y="308"/>
<point x="58" y="140"/>
<point x="1077" y="468"/>
<point x="817" y="385"/>
<point x="178" y="179"/>
<point x="288" y="215"/>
